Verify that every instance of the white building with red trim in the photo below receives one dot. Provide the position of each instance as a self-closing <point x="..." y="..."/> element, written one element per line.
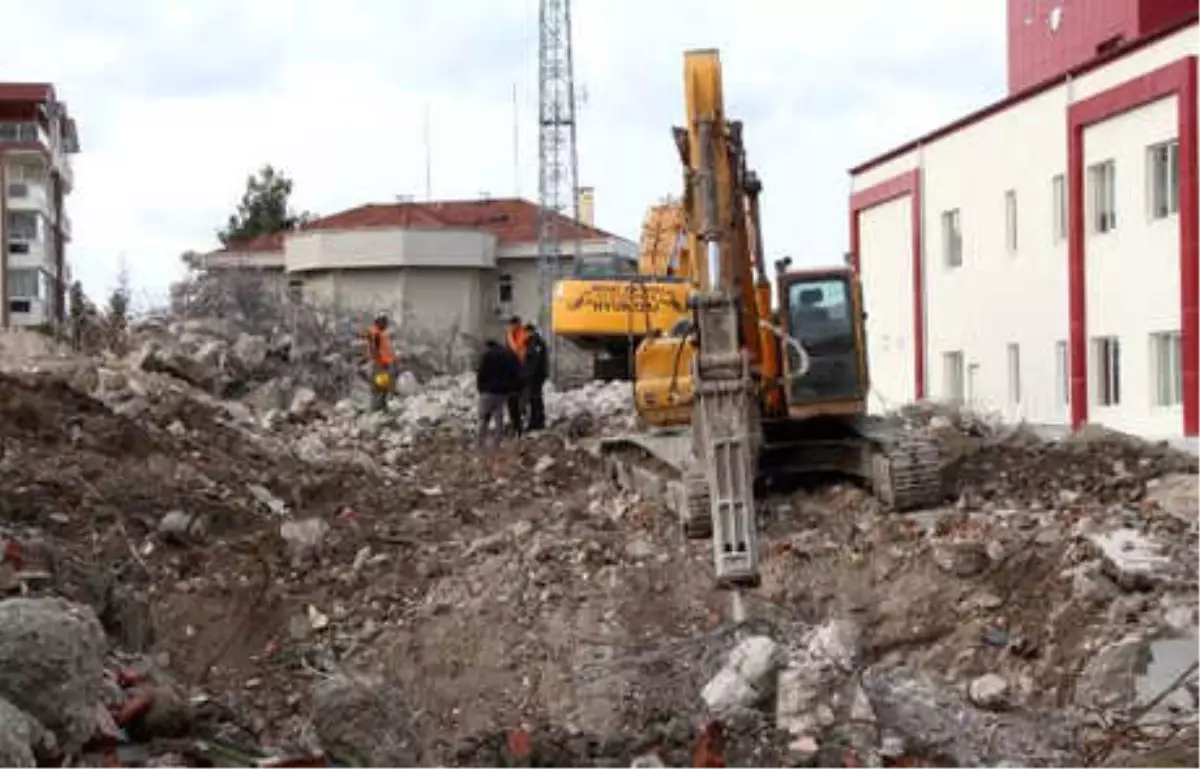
<point x="1039" y="256"/>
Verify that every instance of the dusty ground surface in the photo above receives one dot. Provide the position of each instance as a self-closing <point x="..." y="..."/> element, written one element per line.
<point x="308" y="581"/>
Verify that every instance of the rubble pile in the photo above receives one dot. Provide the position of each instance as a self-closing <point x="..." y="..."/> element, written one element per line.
<point x="447" y="405"/>
<point x="207" y="557"/>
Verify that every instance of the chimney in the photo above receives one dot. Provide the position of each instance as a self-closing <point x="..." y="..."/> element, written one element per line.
<point x="587" y="206"/>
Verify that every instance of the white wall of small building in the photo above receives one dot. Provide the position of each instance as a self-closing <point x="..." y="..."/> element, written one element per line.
<point x="997" y="297"/>
<point x="887" y="293"/>
<point x="1133" y="270"/>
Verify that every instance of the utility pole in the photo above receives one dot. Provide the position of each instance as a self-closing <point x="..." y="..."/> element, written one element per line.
<point x="558" y="163"/>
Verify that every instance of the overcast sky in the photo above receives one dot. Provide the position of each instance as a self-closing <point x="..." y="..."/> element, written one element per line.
<point x="178" y="100"/>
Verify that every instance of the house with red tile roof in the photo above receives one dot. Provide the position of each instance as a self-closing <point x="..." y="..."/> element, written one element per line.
<point x="465" y="264"/>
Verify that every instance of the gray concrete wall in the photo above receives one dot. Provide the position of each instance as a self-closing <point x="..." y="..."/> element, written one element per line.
<point x="373" y="248"/>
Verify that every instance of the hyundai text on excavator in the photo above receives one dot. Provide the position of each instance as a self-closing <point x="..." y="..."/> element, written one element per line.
<point x="608" y="308"/>
<point x="742" y="392"/>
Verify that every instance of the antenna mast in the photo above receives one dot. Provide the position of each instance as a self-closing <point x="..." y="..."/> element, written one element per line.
<point x="558" y="163"/>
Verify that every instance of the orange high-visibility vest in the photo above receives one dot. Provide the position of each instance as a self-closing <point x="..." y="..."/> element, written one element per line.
<point x="381" y="346"/>
<point x="518" y="342"/>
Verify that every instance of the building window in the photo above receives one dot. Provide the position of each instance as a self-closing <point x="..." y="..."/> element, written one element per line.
<point x="1059" y="194"/>
<point x="18" y="132"/>
<point x="22" y="225"/>
<point x="1103" y="183"/>
<point x="1106" y="370"/>
<point x="1062" y="372"/>
<point x="952" y="238"/>
<point x="1162" y="164"/>
<point x="505" y="288"/>
<point x="1010" y="220"/>
<point x="1166" y="350"/>
<point x="1014" y="374"/>
<point x="952" y="376"/>
<point x="26" y="172"/>
<point x="23" y="284"/>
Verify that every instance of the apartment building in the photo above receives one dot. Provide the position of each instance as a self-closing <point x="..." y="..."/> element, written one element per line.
<point x="1039" y="256"/>
<point x="37" y="139"/>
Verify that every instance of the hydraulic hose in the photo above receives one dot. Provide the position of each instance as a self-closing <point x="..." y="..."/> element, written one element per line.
<point x="805" y="362"/>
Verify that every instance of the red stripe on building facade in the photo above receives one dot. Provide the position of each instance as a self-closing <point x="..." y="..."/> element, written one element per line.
<point x="1179" y="80"/>
<point x="3" y="241"/>
<point x="908" y="183"/>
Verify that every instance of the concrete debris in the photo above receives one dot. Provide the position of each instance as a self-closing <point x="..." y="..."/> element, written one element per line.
<point x="1133" y="560"/>
<point x="22" y="739"/>
<point x="517" y="607"/>
<point x="936" y="722"/>
<point x="989" y="692"/>
<point x="51" y="664"/>
<point x="177" y="527"/>
<point x="362" y="720"/>
<point x="745" y="679"/>
<point x="305" y="540"/>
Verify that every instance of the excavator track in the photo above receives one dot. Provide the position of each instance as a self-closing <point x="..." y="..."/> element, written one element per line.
<point x="906" y="473"/>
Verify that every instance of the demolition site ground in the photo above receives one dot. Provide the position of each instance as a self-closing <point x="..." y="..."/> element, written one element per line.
<point x="284" y="577"/>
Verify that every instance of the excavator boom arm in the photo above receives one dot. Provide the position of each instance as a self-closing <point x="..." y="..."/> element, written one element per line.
<point x="726" y="429"/>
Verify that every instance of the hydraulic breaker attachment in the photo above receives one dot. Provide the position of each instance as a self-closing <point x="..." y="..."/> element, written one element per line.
<point x="726" y="439"/>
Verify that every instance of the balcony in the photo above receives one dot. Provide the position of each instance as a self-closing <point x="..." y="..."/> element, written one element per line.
<point x="34" y="136"/>
<point x="29" y="254"/>
<point x="28" y="196"/>
<point x="25" y="313"/>
<point x="24" y="133"/>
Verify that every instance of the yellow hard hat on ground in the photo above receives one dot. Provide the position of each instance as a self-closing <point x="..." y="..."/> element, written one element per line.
<point x="383" y="380"/>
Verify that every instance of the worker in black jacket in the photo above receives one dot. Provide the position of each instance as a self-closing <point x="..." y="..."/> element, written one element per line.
<point x="497" y="377"/>
<point x="536" y="372"/>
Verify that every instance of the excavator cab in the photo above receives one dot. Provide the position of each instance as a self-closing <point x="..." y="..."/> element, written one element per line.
<point x="822" y="311"/>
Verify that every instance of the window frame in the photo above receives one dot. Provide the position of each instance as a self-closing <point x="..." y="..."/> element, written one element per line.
<point x="954" y="376"/>
<point x="1058" y="200"/>
<point x="952" y="240"/>
<point x="1102" y="193"/>
<point x="1011" y="232"/>
<point x="505" y="285"/>
<point x="18" y="274"/>
<point x="1062" y="372"/>
<point x="1162" y="160"/>
<point x="1012" y="353"/>
<point x="1106" y="371"/>
<point x="1169" y="343"/>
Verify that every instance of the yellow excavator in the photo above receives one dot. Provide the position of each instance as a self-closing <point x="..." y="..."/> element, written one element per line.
<point x="608" y="308"/>
<point x="743" y="389"/>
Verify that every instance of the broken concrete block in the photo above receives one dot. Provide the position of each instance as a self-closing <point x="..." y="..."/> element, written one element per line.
<point x="51" y="664"/>
<point x="1109" y="678"/>
<point x="179" y="527"/>
<point x="249" y="351"/>
<point x="989" y="692"/>
<point x="302" y="401"/>
<point x="746" y="677"/>
<point x="304" y="539"/>
<point x="839" y="641"/>
<point x="962" y="559"/>
<point x="727" y="691"/>
<point x="22" y="738"/>
<point x="1133" y="560"/>
<point x="362" y="719"/>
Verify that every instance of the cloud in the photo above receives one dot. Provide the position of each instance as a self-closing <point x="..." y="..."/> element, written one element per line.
<point x="177" y="102"/>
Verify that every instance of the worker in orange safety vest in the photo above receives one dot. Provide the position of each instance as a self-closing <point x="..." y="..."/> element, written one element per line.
<point x="516" y="339"/>
<point x="383" y="362"/>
